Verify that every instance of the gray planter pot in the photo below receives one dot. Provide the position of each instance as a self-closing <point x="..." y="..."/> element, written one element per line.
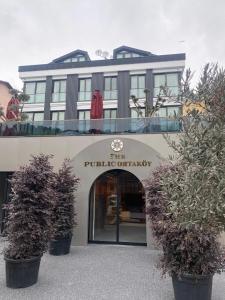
<point x="190" y="287"/>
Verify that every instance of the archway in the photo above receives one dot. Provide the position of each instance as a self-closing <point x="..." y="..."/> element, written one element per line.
<point x="117" y="209"/>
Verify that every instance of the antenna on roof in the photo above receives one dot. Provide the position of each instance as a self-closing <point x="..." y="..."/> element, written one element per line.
<point x="103" y="54"/>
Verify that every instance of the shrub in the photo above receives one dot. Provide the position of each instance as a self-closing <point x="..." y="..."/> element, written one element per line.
<point x="193" y="250"/>
<point x="28" y="223"/>
<point x="63" y="216"/>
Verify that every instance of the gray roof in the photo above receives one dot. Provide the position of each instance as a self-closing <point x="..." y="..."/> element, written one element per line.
<point x="70" y="55"/>
<point x="130" y="49"/>
<point x="107" y="62"/>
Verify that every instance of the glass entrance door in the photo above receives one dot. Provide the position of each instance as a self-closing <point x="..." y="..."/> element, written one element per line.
<point x="117" y="209"/>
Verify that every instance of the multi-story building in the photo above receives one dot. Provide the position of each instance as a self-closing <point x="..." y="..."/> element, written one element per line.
<point x="63" y="88"/>
<point x="111" y="161"/>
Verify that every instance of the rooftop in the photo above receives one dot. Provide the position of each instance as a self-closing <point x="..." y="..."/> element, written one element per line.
<point x="121" y="55"/>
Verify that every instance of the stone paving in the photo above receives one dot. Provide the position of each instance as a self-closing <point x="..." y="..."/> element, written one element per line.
<point x="99" y="272"/>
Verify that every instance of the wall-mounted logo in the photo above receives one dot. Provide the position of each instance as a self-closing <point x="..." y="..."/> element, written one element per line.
<point x="117" y="145"/>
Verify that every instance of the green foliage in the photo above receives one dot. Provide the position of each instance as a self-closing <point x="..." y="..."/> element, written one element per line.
<point x="186" y="201"/>
<point x="197" y="189"/>
<point x="64" y="212"/>
<point x="2" y="114"/>
<point x="17" y="108"/>
<point x="29" y="212"/>
<point x="193" y="250"/>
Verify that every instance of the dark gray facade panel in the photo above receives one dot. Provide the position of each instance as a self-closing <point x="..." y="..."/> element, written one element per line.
<point x="123" y="85"/>
<point x="48" y="98"/>
<point x="72" y="86"/>
<point x="97" y="82"/>
<point x="107" y="62"/>
<point x="149" y="84"/>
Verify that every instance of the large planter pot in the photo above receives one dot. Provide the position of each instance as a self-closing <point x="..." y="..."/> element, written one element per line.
<point x="60" y="246"/>
<point x="21" y="273"/>
<point x="189" y="287"/>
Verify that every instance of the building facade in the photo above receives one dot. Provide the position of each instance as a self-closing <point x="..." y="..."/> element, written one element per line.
<point x="5" y="95"/>
<point x="62" y="89"/>
<point x="112" y="160"/>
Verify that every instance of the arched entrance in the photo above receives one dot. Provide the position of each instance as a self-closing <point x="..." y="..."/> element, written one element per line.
<point x="117" y="209"/>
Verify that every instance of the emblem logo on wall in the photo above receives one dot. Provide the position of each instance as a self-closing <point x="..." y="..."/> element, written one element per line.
<point x="117" y="145"/>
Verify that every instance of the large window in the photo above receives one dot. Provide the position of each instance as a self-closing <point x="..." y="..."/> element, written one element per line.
<point x="138" y="86"/>
<point x="35" y="116"/>
<point x="168" y="112"/>
<point x="57" y="115"/>
<point x="169" y="80"/>
<point x="59" y="91"/>
<point x="85" y="89"/>
<point x="137" y="114"/>
<point x="84" y="123"/>
<point x="84" y="114"/>
<point x="36" y="91"/>
<point x="110" y="92"/>
<point x="110" y="113"/>
<point x="110" y="120"/>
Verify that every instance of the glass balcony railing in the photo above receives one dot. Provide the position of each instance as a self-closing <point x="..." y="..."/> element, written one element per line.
<point x="87" y="127"/>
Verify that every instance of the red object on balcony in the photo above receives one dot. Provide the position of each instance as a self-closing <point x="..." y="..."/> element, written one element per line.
<point x="12" y="111"/>
<point x="96" y="105"/>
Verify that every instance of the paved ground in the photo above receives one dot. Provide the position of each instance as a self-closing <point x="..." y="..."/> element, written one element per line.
<point x="98" y="272"/>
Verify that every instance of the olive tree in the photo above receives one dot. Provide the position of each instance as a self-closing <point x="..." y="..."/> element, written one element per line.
<point x="197" y="189"/>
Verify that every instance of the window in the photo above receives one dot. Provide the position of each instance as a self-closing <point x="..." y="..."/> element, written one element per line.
<point x="110" y="113"/>
<point x="168" y="111"/>
<point x="124" y="54"/>
<point x="84" y="123"/>
<point x="110" y="92"/>
<point x="85" y="89"/>
<point x="34" y="116"/>
<point x="138" y="86"/>
<point x="169" y="80"/>
<point x="75" y="59"/>
<point x="134" y="114"/>
<point x="84" y="114"/>
<point x="59" y="91"/>
<point x="36" y="91"/>
<point x="57" y="115"/>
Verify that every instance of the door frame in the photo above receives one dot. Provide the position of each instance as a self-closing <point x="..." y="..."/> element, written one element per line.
<point x="117" y="242"/>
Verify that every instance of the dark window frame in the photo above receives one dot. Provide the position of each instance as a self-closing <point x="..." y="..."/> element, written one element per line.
<point x="57" y="111"/>
<point x="53" y="86"/>
<point x="111" y="90"/>
<point x="35" y="90"/>
<point x="167" y="73"/>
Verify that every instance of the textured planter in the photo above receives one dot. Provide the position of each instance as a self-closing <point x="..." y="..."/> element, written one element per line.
<point x="60" y="246"/>
<point x="21" y="273"/>
<point x="190" y="287"/>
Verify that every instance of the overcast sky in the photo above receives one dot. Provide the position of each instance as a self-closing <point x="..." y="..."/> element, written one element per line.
<point x="37" y="31"/>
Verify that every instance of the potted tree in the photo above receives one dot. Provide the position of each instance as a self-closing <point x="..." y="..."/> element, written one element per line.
<point x="192" y="191"/>
<point x="28" y="224"/>
<point x="63" y="216"/>
<point x="191" y="255"/>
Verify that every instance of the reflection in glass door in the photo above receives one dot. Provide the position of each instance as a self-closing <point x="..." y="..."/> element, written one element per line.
<point x="117" y="209"/>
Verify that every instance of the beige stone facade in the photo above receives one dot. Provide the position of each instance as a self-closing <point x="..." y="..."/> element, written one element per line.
<point x="90" y="157"/>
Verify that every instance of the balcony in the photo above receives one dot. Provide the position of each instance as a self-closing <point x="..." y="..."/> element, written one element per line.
<point x="89" y="127"/>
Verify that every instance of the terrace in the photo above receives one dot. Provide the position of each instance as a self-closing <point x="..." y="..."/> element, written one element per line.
<point x="89" y="127"/>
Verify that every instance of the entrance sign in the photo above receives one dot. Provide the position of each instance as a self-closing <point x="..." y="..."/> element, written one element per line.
<point x="117" y="145"/>
<point x="130" y="163"/>
<point x="117" y="159"/>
